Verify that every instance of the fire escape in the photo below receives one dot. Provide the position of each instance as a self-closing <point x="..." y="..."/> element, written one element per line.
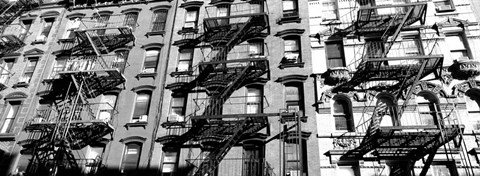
<point x="11" y="10"/>
<point x="219" y="76"/>
<point x="402" y="143"/>
<point x="74" y="118"/>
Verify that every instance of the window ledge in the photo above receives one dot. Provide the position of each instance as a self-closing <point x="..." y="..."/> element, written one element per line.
<point x="7" y="137"/>
<point x="39" y="42"/>
<point x="446" y="13"/>
<point x="146" y="75"/>
<point x="284" y="20"/>
<point x="185" y="30"/>
<point x="288" y="65"/>
<point x="66" y="40"/>
<point x="153" y="33"/>
<point x="179" y="73"/>
<point x="21" y="84"/>
<point x="331" y="22"/>
<point x="136" y="124"/>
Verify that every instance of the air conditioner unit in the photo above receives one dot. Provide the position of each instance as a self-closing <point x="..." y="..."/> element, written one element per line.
<point x="41" y="38"/>
<point x="444" y="7"/>
<point x="176" y="118"/>
<point x="143" y="118"/>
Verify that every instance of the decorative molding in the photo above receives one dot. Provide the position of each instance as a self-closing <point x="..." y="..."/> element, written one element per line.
<point x="462" y="88"/>
<point x="133" y="139"/>
<point x="287" y="32"/>
<point x="15" y="96"/>
<point x="292" y="78"/>
<point x="427" y="86"/>
<point x="143" y="88"/>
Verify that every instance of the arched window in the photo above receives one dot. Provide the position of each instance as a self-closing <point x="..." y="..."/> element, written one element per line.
<point x="343" y="114"/>
<point x="428" y="109"/>
<point x="131" y="157"/>
<point x="473" y="105"/>
<point x="389" y="114"/>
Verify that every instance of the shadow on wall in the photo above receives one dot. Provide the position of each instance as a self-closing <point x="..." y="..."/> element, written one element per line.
<point x="6" y="160"/>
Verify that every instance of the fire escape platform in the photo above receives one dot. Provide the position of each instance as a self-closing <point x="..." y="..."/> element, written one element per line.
<point x="213" y="24"/>
<point x="406" y="142"/>
<point x="114" y="37"/>
<point x="378" y="19"/>
<point x="10" y="43"/>
<point x="404" y="71"/>
<point x="97" y="81"/>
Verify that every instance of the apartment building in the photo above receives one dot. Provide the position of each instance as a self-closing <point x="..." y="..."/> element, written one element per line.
<point x="396" y="86"/>
<point x="140" y="87"/>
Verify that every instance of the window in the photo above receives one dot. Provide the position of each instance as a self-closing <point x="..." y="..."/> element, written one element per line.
<point x="294" y="154"/>
<point x="131" y="20"/>
<point x="26" y="24"/>
<point x="254" y="100"/>
<point x="151" y="60"/>
<point x="169" y="163"/>
<point x="253" y="156"/>
<point x="346" y="170"/>
<point x="72" y="24"/>
<point x="292" y="50"/>
<point x="413" y="45"/>
<point x="343" y="116"/>
<point x="142" y="106"/>
<point x="93" y="158"/>
<point x="29" y="69"/>
<point x="457" y="45"/>
<point x="375" y="47"/>
<point x="255" y="48"/>
<point x="47" y="26"/>
<point x="223" y="11"/>
<point x="290" y="8"/>
<point x="388" y="116"/>
<point x="444" y="5"/>
<point x="294" y="97"/>
<point x="427" y="108"/>
<point x="191" y="18"/>
<point x="335" y="54"/>
<point x="159" y="19"/>
<point x="107" y="107"/>
<point x="185" y="60"/>
<point x="178" y="108"/>
<point x="9" y="118"/>
<point x="60" y="65"/>
<point x="473" y="105"/>
<point x="101" y="22"/>
<point x="7" y="65"/>
<point x="120" y="61"/>
<point x="131" y="157"/>
<point x="330" y="10"/>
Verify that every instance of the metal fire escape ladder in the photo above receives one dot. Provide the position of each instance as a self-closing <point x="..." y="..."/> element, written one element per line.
<point x="214" y="158"/>
<point x="397" y="31"/>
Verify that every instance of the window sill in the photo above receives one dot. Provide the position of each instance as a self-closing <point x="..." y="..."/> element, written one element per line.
<point x="136" y="124"/>
<point x="284" y="20"/>
<point x="146" y="75"/>
<point x="185" y="30"/>
<point x="153" y="33"/>
<point x="179" y="73"/>
<point x="446" y="13"/>
<point x="21" y="84"/>
<point x="7" y="137"/>
<point x="39" y="42"/>
<point x="288" y="65"/>
<point x="331" y="22"/>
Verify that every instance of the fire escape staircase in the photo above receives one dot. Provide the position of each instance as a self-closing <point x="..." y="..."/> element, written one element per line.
<point x="221" y="77"/>
<point x="75" y="125"/>
<point x="395" y="142"/>
<point x="13" y="10"/>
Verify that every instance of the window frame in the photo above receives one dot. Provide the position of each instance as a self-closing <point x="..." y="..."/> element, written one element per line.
<point x="125" y="156"/>
<point x="6" y="73"/>
<point x="26" y="25"/>
<point x="466" y="49"/>
<point x="159" y="23"/>
<point x="47" y="26"/>
<point x="148" y="63"/>
<point x="290" y="12"/>
<point x="341" y="52"/>
<point x="187" y="22"/>
<point x="294" y="103"/>
<point x="189" y="60"/>
<point x="174" y="163"/>
<point x="256" y="101"/>
<point x="326" y="12"/>
<point x="29" y="69"/>
<point x="136" y="117"/>
<point x="131" y="17"/>
<point x="69" y="34"/>
<point x="182" y="107"/>
<point x="8" y="121"/>
<point x="441" y="9"/>
<point x="287" y="52"/>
